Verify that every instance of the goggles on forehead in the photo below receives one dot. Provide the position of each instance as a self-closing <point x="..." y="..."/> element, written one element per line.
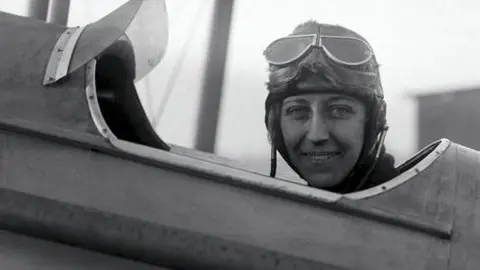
<point x="343" y="50"/>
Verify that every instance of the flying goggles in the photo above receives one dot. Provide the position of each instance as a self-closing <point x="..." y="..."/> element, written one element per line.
<point x="349" y="51"/>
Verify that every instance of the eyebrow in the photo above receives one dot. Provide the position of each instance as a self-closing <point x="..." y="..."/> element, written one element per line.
<point x="329" y="100"/>
<point x="343" y="98"/>
<point x="296" y="100"/>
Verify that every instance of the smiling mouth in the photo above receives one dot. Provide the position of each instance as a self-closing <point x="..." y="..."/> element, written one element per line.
<point x="319" y="157"/>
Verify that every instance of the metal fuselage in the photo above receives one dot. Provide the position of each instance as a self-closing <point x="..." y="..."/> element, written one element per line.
<point x="81" y="189"/>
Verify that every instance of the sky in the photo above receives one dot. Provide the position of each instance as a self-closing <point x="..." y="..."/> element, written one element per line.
<point x="422" y="46"/>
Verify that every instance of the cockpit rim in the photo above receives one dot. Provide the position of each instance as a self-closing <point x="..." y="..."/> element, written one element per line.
<point x="244" y="178"/>
<point x="418" y="162"/>
<point x="432" y="151"/>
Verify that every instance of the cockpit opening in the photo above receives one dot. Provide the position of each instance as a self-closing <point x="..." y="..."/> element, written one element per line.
<point x="119" y="102"/>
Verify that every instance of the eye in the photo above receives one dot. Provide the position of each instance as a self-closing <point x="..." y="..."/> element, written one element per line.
<point x="340" y="111"/>
<point x="297" y="111"/>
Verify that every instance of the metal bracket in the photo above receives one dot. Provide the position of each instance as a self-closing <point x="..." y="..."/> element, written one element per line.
<point x="61" y="55"/>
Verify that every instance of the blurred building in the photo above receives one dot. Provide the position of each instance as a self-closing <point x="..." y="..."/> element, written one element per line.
<point x="454" y="115"/>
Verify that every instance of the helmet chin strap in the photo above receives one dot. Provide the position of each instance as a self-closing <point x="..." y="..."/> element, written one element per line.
<point x="279" y="141"/>
<point x="273" y="161"/>
<point x="377" y="148"/>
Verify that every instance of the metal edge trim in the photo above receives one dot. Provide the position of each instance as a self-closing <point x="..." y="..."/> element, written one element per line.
<point x="405" y="176"/>
<point x="92" y="100"/>
<point x="61" y="55"/>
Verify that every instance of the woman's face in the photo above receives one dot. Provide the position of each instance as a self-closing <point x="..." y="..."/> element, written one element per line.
<point x="323" y="135"/>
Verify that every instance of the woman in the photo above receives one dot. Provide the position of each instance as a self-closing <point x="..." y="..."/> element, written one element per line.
<point x="325" y="111"/>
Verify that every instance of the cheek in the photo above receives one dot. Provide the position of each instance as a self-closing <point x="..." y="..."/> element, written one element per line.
<point x="291" y="132"/>
<point x="351" y="135"/>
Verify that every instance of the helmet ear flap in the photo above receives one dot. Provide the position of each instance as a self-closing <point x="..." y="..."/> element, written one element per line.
<point x="270" y="116"/>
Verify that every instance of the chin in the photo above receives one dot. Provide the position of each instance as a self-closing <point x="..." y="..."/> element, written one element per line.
<point x="323" y="181"/>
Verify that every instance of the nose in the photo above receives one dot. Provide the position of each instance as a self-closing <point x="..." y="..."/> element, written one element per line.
<point x="318" y="130"/>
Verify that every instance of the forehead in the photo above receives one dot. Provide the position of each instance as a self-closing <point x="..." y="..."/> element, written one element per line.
<point x="321" y="98"/>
